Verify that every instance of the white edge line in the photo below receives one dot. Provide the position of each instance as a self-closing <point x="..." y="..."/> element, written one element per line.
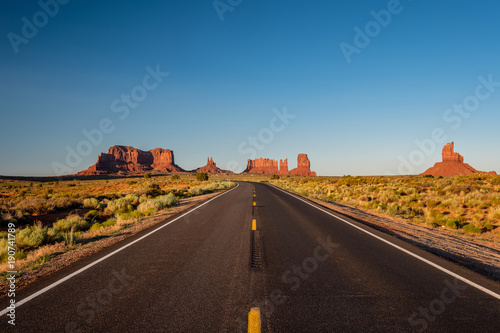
<point x="64" y="279"/>
<point x="469" y="282"/>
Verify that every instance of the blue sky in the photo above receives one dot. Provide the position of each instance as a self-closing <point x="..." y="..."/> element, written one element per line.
<point x="227" y="79"/>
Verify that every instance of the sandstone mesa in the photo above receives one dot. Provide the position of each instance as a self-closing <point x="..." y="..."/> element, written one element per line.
<point x="130" y="160"/>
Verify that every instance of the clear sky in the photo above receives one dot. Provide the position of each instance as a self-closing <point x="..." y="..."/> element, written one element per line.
<point x="354" y="84"/>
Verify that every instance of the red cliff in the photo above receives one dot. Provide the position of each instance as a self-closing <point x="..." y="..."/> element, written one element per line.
<point x="452" y="164"/>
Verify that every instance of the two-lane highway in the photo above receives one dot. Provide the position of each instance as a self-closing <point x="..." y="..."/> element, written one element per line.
<point x="319" y="274"/>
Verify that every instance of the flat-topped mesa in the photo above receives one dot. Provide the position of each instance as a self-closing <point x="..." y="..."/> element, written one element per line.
<point x="262" y="165"/>
<point x="270" y="166"/>
<point x="211" y="167"/>
<point x="303" y="167"/>
<point x="130" y="160"/>
<point x="163" y="160"/>
<point x="452" y="164"/>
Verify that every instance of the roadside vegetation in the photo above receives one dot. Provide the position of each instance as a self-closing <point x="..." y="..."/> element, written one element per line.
<point x="468" y="204"/>
<point x="54" y="217"/>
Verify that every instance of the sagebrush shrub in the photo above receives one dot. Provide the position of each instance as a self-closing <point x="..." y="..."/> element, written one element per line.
<point x="72" y="221"/>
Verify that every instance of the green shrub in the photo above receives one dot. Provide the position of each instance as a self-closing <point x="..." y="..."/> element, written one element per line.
<point x="53" y="235"/>
<point x="133" y="199"/>
<point x="150" y="212"/>
<point x="196" y="190"/>
<point x="71" y="222"/>
<point x="4" y="248"/>
<point x="95" y="226"/>
<point x="275" y="177"/>
<point x="202" y="176"/>
<point x="157" y="203"/>
<point x="175" y="177"/>
<point x="471" y="229"/>
<point x="452" y="224"/>
<point x="130" y="215"/>
<point x="147" y="176"/>
<point x="31" y="237"/>
<point x="393" y="210"/>
<point x="108" y="223"/>
<point x="148" y="205"/>
<point x="167" y="200"/>
<point x="93" y="214"/>
<point x="489" y="226"/>
<point x="91" y="203"/>
<point x="118" y="206"/>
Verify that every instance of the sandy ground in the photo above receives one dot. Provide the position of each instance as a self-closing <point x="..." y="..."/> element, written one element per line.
<point x="471" y="251"/>
<point x="70" y="257"/>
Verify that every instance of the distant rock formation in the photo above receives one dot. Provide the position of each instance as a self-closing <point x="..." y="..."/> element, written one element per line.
<point x="262" y="165"/>
<point x="211" y="167"/>
<point x="130" y="160"/>
<point x="270" y="166"/>
<point x="163" y="161"/>
<point x="452" y="164"/>
<point x="284" y="167"/>
<point x="303" y="167"/>
<point x="449" y="154"/>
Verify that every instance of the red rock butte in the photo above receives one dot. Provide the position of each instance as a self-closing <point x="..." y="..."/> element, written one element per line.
<point x="211" y="167"/>
<point x="130" y="160"/>
<point x="270" y="166"/>
<point x="452" y="164"/>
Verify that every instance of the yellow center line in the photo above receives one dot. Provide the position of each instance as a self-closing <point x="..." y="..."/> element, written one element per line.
<point x="254" y="224"/>
<point x="254" y="324"/>
<point x="254" y="203"/>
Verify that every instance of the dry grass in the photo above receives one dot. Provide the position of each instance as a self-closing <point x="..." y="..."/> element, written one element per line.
<point x="452" y="202"/>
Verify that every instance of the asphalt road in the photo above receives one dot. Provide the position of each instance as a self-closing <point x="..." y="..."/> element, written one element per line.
<point x="306" y="270"/>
